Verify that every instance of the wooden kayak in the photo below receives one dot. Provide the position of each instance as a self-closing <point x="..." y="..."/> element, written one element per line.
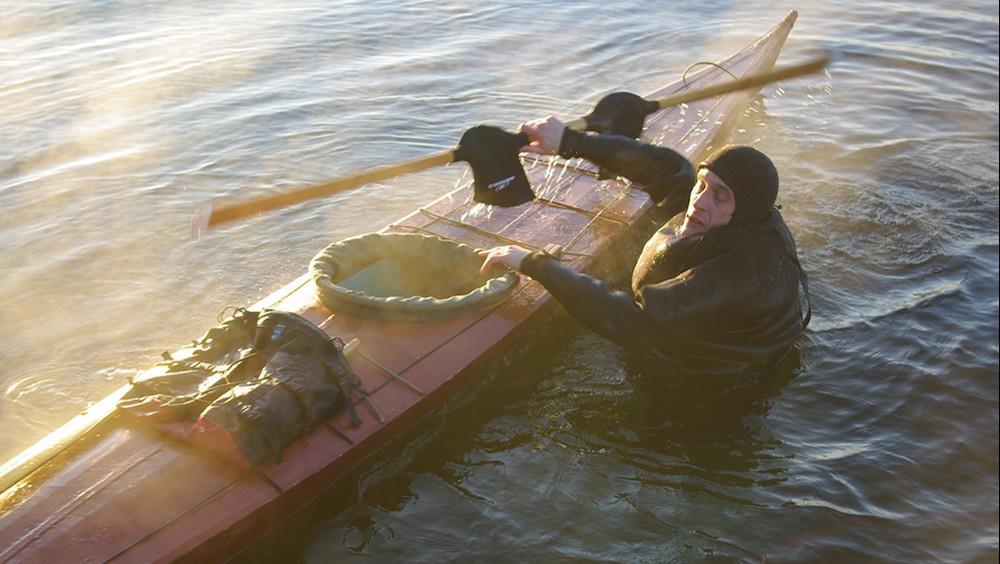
<point x="120" y="490"/>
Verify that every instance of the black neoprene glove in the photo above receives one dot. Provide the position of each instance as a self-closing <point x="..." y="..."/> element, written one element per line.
<point x="570" y="145"/>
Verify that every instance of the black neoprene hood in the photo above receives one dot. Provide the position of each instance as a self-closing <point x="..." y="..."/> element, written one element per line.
<point x="751" y="176"/>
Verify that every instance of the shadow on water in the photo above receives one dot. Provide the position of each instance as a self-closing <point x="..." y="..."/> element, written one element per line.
<point x="687" y="411"/>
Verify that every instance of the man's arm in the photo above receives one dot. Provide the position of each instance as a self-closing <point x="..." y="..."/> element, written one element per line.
<point x="693" y="305"/>
<point x="662" y="173"/>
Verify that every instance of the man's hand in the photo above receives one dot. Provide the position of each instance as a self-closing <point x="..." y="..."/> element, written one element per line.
<point x="508" y="255"/>
<point x="546" y="135"/>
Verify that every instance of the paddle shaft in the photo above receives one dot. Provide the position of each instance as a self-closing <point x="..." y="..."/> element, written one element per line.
<point x="746" y="83"/>
<point x="240" y="210"/>
<point x="212" y="216"/>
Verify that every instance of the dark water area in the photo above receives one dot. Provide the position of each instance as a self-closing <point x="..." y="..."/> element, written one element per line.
<point x="879" y="442"/>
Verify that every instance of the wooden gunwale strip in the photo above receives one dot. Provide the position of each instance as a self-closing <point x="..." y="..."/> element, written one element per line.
<point x="270" y="301"/>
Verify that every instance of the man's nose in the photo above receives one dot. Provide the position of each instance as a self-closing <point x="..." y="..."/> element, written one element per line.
<point x="700" y="199"/>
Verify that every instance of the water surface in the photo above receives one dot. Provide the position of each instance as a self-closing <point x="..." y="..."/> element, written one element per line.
<point x="119" y="118"/>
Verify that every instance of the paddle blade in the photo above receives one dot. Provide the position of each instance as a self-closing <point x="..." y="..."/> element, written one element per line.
<point x="620" y="113"/>
<point x="493" y="155"/>
<point x="200" y="221"/>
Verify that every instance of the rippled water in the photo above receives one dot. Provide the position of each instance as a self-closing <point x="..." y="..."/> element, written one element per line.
<point x="117" y="119"/>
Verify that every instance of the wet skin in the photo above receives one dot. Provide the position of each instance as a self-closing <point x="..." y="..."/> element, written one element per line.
<point x="711" y="204"/>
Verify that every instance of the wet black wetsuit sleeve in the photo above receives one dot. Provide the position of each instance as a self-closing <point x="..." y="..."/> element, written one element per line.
<point x="664" y="174"/>
<point x="693" y="305"/>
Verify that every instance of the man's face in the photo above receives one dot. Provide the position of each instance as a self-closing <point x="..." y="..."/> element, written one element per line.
<point x="711" y="204"/>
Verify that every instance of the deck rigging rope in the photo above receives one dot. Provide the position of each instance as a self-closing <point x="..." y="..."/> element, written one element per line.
<point x="702" y="63"/>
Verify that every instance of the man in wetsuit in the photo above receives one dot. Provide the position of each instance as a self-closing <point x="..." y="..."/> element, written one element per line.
<point x="716" y="289"/>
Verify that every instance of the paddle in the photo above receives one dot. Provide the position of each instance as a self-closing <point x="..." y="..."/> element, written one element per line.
<point x="211" y="215"/>
<point x="746" y="83"/>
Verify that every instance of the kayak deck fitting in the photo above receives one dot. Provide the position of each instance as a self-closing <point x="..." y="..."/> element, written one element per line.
<point x="123" y="491"/>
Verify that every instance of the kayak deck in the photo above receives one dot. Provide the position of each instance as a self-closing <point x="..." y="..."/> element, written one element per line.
<point x="125" y="491"/>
